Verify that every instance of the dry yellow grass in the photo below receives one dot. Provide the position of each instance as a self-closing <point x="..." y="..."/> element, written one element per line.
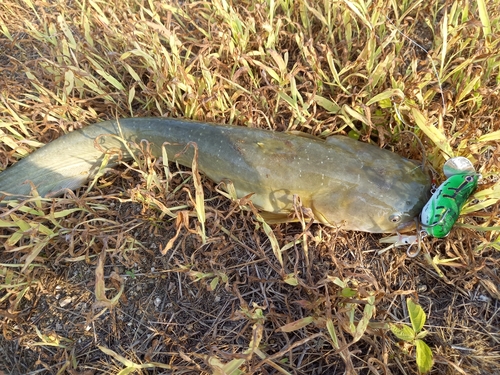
<point x="84" y="284"/>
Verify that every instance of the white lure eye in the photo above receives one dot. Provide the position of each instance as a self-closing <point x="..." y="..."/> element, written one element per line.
<point x="395" y="218"/>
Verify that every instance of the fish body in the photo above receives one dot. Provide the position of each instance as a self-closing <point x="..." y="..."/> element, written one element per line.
<point x="345" y="183"/>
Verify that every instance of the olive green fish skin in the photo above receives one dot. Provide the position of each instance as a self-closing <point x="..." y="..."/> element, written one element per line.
<point x="346" y="183"/>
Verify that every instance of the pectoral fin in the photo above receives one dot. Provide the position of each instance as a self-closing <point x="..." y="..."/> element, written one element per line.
<point x="274" y="218"/>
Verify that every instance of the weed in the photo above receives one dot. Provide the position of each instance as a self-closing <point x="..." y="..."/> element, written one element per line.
<point x="414" y="335"/>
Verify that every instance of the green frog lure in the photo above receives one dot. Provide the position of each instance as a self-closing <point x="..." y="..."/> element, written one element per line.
<point x="442" y="210"/>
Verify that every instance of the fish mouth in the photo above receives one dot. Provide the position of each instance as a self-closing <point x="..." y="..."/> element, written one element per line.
<point x="407" y="227"/>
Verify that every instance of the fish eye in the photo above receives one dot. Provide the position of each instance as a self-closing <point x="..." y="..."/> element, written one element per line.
<point x="395" y="218"/>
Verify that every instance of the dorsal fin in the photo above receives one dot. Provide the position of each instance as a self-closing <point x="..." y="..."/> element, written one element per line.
<point x="302" y="134"/>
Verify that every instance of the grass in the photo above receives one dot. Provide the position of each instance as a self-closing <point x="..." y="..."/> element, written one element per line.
<point x="90" y="282"/>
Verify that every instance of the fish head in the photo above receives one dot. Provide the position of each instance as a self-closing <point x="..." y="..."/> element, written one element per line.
<point x="368" y="214"/>
<point x="376" y="203"/>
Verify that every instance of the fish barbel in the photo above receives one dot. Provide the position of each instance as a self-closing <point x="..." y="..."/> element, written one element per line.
<point x="346" y="183"/>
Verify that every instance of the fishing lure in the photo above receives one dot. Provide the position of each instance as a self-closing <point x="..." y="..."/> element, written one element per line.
<point x="401" y="240"/>
<point x="458" y="165"/>
<point x="441" y="211"/>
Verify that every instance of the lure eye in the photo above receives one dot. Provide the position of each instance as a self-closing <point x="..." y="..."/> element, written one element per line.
<point x="469" y="178"/>
<point x="395" y="218"/>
